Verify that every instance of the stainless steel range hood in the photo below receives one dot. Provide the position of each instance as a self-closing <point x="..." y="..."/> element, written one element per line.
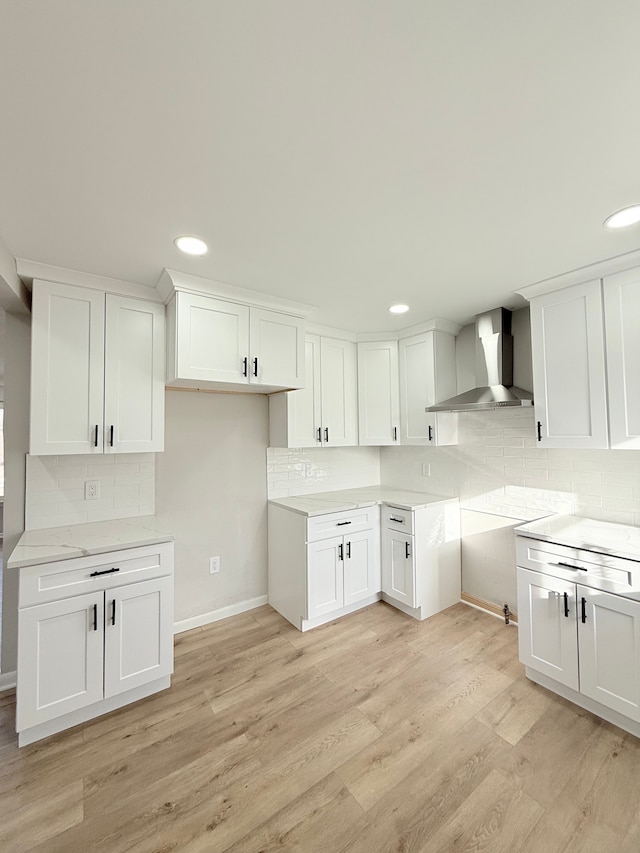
<point x="494" y="369"/>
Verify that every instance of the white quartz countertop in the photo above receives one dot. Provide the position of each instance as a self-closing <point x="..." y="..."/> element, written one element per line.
<point x="618" y="540"/>
<point x="321" y="503"/>
<point x="83" y="540"/>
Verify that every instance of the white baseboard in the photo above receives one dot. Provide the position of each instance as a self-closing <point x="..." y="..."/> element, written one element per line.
<point x="217" y="615"/>
<point x="7" y="681"/>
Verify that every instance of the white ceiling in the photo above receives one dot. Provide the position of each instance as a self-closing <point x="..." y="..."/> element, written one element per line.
<point x="345" y="153"/>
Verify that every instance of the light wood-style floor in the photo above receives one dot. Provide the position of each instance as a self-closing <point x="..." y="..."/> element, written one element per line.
<point x="374" y="734"/>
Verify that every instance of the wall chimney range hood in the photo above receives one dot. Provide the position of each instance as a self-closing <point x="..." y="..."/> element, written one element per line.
<point x="494" y="369"/>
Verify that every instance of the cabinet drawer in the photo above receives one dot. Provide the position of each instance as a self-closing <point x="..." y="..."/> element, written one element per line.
<point x="339" y="523"/>
<point x="397" y="519"/>
<point x="62" y="579"/>
<point x="602" y="571"/>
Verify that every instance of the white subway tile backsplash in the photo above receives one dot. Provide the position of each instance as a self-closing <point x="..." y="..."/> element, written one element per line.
<point x="55" y="488"/>
<point x="301" y="471"/>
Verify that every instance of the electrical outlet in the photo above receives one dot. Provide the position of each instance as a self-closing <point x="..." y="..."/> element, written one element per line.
<point x="91" y="490"/>
<point x="214" y="565"/>
<point x="426" y="469"/>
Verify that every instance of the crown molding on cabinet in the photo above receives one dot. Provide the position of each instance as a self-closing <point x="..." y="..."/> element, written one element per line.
<point x="435" y="325"/>
<point x="30" y="270"/>
<point x="172" y="280"/>
<point x="619" y="263"/>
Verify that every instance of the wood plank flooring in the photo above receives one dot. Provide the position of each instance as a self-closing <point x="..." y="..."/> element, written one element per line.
<point x="373" y="734"/>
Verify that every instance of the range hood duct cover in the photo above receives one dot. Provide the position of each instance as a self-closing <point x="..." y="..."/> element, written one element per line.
<point x="494" y="369"/>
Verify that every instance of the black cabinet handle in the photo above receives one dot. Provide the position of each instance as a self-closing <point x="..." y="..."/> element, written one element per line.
<point x="255" y="366"/>
<point x="430" y="433"/>
<point x="95" y="616"/>
<point x="348" y="550"/>
<point x="105" y="572"/>
<point x="539" y="425"/>
<point x="111" y="436"/>
<point x="326" y="435"/>
<point x="245" y="366"/>
<point x="341" y="552"/>
<point x="566" y="604"/>
<point x="407" y="550"/>
<point x="395" y="433"/>
<point x="342" y="523"/>
<point x="95" y="441"/>
<point x="584" y="610"/>
<point x="397" y="520"/>
<point x="320" y="434"/>
<point x="113" y="612"/>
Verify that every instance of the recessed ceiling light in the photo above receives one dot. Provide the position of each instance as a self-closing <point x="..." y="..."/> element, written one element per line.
<point x="401" y="308"/>
<point x="623" y="218"/>
<point x="191" y="245"/>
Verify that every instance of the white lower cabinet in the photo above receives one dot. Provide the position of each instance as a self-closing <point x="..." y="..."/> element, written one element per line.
<point x="323" y="566"/>
<point x="94" y="633"/>
<point x="580" y="641"/>
<point x="421" y="557"/>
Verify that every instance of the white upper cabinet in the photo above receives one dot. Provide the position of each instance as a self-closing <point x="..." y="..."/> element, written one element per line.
<point x="622" y="323"/>
<point x="378" y="397"/>
<point x="324" y="412"/>
<point x="569" y="367"/>
<point x="134" y="376"/>
<point x="427" y="375"/>
<point x="223" y="344"/>
<point x="97" y="372"/>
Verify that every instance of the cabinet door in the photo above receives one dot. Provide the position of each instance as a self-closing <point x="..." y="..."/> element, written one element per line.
<point x="302" y="409"/>
<point x="212" y="339"/>
<point x="378" y="400"/>
<point x="609" y="648"/>
<point x="339" y="393"/>
<point x="547" y="626"/>
<point x="67" y="369"/>
<point x="277" y="342"/>
<point x="567" y="340"/>
<point x="60" y="658"/>
<point x="622" y="324"/>
<point x="361" y="566"/>
<point x="427" y="365"/>
<point x="442" y="428"/>
<point x="134" y="376"/>
<point x="138" y="634"/>
<point x="325" y="573"/>
<point x="398" y="567"/>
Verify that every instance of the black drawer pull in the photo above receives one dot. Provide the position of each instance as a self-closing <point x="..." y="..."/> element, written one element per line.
<point x="342" y="523"/>
<point x="348" y="550"/>
<point x="341" y="552"/>
<point x="562" y="565"/>
<point x="245" y="366"/>
<point x="95" y="617"/>
<point x="320" y="435"/>
<point x="255" y="366"/>
<point x="566" y="604"/>
<point x="113" y="612"/>
<point x="105" y="572"/>
<point x="407" y="550"/>
<point x="584" y="610"/>
<point x="326" y="435"/>
<point x="397" y="520"/>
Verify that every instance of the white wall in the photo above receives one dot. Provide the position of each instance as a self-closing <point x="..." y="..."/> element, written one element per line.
<point x="16" y="441"/>
<point x="211" y="491"/>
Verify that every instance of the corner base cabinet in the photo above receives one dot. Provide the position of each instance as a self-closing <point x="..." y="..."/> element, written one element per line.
<point x="579" y="627"/>
<point x="323" y="566"/>
<point x="421" y="557"/>
<point x="94" y="633"/>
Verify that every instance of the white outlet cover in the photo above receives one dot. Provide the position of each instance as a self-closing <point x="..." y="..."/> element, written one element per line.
<point x="214" y="565"/>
